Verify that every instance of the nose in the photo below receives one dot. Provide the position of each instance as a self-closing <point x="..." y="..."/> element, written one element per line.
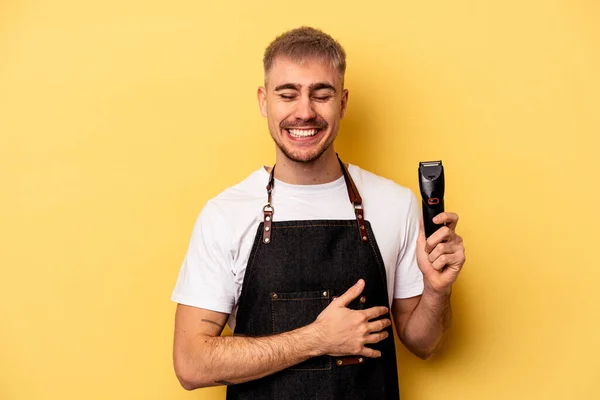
<point x="304" y="109"/>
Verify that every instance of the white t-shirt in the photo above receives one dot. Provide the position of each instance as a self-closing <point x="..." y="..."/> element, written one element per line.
<point x="212" y="273"/>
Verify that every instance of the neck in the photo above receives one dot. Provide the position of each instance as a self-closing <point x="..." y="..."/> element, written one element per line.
<point x="322" y="170"/>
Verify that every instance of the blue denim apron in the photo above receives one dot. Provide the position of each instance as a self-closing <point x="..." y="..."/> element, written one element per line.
<point x="294" y="270"/>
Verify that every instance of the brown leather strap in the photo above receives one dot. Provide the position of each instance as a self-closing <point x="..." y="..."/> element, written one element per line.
<point x="270" y="184"/>
<point x="356" y="200"/>
<point x="352" y="190"/>
<point x="353" y="195"/>
<point x="349" y="360"/>
<point x="268" y="209"/>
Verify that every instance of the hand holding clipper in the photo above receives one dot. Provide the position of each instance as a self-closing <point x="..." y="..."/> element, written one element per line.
<point x="431" y="183"/>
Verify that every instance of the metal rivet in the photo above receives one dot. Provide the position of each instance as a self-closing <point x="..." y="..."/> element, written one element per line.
<point x="267" y="240"/>
<point x="324" y="294"/>
<point x="359" y="216"/>
<point x="339" y="362"/>
<point x="274" y="295"/>
<point x="362" y="227"/>
<point x="267" y="229"/>
<point x="365" y="238"/>
<point x="268" y="219"/>
<point x="360" y="360"/>
<point x="363" y="299"/>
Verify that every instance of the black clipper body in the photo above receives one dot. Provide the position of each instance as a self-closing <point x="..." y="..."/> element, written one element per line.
<point x="431" y="183"/>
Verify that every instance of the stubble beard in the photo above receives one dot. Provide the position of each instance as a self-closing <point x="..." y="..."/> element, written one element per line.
<point x="305" y="159"/>
<point x="302" y="158"/>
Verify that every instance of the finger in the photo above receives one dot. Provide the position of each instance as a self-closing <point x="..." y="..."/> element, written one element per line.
<point x="441" y="262"/>
<point x="441" y="248"/>
<point x="457" y="260"/>
<point x="379" y="325"/>
<point x="376" y="337"/>
<point x="448" y="218"/>
<point x="351" y="293"/>
<point x="369" y="352"/>
<point x="444" y="234"/>
<point x="374" y="312"/>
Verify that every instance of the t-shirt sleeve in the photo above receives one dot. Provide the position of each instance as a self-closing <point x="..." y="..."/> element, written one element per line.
<point x="409" y="279"/>
<point x="206" y="279"/>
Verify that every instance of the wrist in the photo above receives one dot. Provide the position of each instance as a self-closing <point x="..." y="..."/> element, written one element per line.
<point x="311" y="336"/>
<point x="431" y="291"/>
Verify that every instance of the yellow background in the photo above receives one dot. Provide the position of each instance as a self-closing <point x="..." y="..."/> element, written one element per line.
<point x="119" y="119"/>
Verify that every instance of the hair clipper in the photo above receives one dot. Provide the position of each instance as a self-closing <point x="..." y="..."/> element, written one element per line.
<point x="431" y="183"/>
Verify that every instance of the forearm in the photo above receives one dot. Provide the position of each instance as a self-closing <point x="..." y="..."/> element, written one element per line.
<point x="226" y="360"/>
<point x="424" y="331"/>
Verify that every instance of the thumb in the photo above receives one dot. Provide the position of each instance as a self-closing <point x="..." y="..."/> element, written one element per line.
<point x="422" y="255"/>
<point x="421" y="239"/>
<point x="351" y="293"/>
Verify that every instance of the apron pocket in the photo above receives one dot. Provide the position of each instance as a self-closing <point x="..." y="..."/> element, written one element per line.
<point x="290" y="311"/>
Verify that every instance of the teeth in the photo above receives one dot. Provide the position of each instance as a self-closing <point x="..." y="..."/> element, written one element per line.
<point x="303" y="132"/>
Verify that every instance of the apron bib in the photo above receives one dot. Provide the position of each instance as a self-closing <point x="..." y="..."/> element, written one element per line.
<point x="294" y="270"/>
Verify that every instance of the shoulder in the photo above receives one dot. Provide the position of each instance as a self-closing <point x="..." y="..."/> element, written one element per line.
<point x="231" y="217"/>
<point x="247" y="193"/>
<point x="381" y="191"/>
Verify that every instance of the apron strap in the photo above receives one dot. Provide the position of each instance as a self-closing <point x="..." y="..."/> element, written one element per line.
<point x="356" y="201"/>
<point x="268" y="209"/>
<point x="353" y="195"/>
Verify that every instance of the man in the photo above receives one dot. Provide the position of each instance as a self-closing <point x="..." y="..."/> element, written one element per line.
<point x="304" y="259"/>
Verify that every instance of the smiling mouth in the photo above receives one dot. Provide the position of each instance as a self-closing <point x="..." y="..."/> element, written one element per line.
<point x="302" y="133"/>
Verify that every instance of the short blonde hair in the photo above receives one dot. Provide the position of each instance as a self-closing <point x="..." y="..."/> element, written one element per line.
<point x="306" y="42"/>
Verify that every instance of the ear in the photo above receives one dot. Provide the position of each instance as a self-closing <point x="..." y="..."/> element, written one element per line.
<point x="344" y="102"/>
<point x="261" y="94"/>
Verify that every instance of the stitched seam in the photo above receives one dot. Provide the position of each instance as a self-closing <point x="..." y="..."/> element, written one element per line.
<point x="310" y="369"/>
<point x="249" y="276"/>
<point x="328" y="365"/>
<point x="376" y="254"/>
<point x="309" y="226"/>
<point x="315" y="369"/>
<point x="304" y="298"/>
<point x="273" y="315"/>
<point x="254" y="257"/>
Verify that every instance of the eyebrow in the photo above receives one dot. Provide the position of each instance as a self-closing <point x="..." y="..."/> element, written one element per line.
<point x="320" y="86"/>
<point x="293" y="86"/>
<point x="312" y="88"/>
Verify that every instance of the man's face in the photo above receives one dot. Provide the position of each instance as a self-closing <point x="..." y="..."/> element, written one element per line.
<point x="304" y="103"/>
